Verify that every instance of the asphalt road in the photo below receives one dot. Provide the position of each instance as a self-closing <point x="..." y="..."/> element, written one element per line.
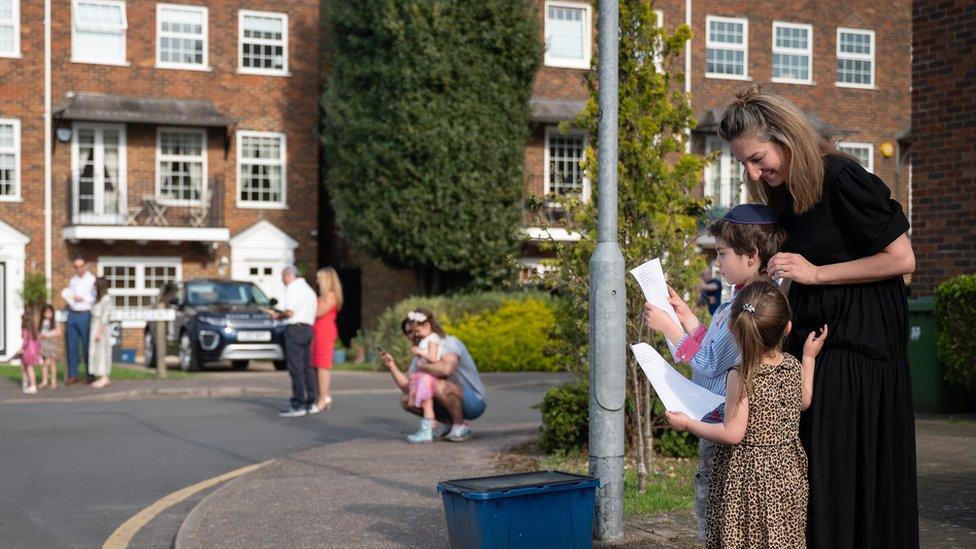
<point x="71" y="473"/>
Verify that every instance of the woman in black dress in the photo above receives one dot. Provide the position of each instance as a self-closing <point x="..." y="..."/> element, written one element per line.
<point x="844" y="260"/>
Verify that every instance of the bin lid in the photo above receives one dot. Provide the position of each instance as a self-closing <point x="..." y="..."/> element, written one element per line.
<point x="505" y="483"/>
<point x="922" y="304"/>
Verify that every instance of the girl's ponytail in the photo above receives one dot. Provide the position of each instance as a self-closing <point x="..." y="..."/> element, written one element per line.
<point x="760" y="314"/>
<point x="750" y="344"/>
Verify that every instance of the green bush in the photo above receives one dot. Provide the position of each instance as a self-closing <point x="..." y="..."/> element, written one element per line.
<point x="565" y="418"/>
<point x="503" y="331"/>
<point x="955" y="316"/>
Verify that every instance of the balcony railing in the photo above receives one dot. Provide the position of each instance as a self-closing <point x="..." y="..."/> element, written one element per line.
<point x="146" y="209"/>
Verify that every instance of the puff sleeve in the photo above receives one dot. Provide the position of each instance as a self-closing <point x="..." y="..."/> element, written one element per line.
<point x="863" y="207"/>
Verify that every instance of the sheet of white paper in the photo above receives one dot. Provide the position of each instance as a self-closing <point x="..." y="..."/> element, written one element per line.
<point x="650" y="277"/>
<point x="678" y="393"/>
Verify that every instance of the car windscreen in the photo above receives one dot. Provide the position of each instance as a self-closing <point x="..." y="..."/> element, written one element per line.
<point x="224" y="293"/>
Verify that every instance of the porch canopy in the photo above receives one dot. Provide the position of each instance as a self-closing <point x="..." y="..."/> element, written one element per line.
<point x="553" y="111"/>
<point x="710" y="121"/>
<point x="141" y="110"/>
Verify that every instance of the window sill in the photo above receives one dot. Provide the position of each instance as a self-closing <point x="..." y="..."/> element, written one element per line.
<point x="11" y="55"/>
<point x="256" y="72"/>
<point x="792" y="81"/>
<point x="196" y="68"/>
<point x="14" y="198"/>
<point x="567" y="64"/>
<point x="856" y="86"/>
<point x="744" y="78"/>
<point x="261" y="206"/>
<point x="108" y="63"/>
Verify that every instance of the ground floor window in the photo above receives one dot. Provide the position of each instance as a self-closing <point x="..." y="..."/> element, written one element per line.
<point x="135" y="282"/>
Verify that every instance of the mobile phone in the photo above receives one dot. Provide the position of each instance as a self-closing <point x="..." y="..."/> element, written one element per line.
<point x="381" y="349"/>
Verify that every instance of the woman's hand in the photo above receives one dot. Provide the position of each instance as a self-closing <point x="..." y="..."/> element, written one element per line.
<point x="678" y="421"/>
<point x="794" y="267"/>
<point x="814" y="343"/>
<point x="685" y="316"/>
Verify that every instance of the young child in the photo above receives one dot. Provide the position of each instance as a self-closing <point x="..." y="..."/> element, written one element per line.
<point x="428" y="349"/>
<point x="49" y="331"/>
<point x="745" y="239"/>
<point x="758" y="491"/>
<point x="30" y="354"/>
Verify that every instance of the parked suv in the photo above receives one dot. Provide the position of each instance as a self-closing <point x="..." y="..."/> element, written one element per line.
<point x="219" y="320"/>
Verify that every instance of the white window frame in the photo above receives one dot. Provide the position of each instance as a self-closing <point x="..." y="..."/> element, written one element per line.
<point x="841" y="146"/>
<point x="140" y="263"/>
<point x="562" y="62"/>
<point x="110" y="217"/>
<point x="744" y="47"/>
<point x="856" y="56"/>
<point x="241" y="69"/>
<point x="714" y="143"/>
<point x="14" y="22"/>
<point x="15" y="197"/>
<point x="658" y="59"/>
<point x="74" y="34"/>
<point x="160" y="159"/>
<point x="281" y="205"/>
<point x="554" y="130"/>
<point x="160" y="64"/>
<point x="794" y="51"/>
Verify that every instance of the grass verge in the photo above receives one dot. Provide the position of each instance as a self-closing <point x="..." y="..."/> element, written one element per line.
<point x="119" y="371"/>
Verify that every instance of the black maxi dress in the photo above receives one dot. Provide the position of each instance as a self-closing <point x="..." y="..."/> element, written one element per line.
<point x="859" y="432"/>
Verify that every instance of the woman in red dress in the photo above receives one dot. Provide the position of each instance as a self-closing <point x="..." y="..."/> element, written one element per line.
<point x="325" y="332"/>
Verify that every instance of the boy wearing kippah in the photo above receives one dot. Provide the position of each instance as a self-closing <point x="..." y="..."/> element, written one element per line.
<point x="745" y="239"/>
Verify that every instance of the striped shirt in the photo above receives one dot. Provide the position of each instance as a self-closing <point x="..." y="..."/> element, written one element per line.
<point x="718" y="352"/>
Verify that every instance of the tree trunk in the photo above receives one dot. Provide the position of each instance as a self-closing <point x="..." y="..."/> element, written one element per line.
<point x="649" y="425"/>
<point x="639" y="416"/>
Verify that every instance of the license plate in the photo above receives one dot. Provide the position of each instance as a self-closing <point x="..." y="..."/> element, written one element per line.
<point x="254" y="336"/>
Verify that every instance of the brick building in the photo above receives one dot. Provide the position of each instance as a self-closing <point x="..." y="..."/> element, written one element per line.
<point x="943" y="141"/>
<point x="184" y="143"/>
<point x="844" y="63"/>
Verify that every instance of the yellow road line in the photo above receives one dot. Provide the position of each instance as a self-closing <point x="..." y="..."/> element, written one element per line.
<point x="123" y="534"/>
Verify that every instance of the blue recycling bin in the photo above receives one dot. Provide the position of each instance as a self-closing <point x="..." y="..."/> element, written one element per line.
<point x="539" y="509"/>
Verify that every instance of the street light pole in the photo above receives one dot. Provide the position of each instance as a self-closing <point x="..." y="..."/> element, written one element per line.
<point x="608" y="378"/>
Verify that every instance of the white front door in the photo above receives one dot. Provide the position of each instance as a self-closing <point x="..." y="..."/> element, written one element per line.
<point x="266" y="276"/>
<point x="98" y="165"/>
<point x="3" y="308"/>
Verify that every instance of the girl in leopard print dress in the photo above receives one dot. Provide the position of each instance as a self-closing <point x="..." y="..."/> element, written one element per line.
<point x="758" y="491"/>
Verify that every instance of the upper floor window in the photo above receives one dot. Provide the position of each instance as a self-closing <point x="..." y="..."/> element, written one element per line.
<point x="568" y="35"/>
<point x="792" y="53"/>
<point x="263" y="42"/>
<point x="855" y="58"/>
<point x="98" y="32"/>
<point x="181" y="36"/>
<point x="181" y="164"/>
<point x="261" y="169"/>
<point x="727" y="48"/>
<point x="9" y="159"/>
<point x="9" y="28"/>
<point x="863" y="152"/>
<point x="723" y="178"/>
<point x="564" y="153"/>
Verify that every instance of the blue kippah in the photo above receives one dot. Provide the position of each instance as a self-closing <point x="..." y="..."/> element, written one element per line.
<point x="751" y="214"/>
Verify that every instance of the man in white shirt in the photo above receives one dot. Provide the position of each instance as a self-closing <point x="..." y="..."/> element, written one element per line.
<point x="80" y="296"/>
<point x="298" y="314"/>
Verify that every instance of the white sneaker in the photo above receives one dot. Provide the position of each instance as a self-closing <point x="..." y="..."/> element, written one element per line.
<point x="293" y="412"/>
<point x="30" y="390"/>
<point x="424" y="434"/>
<point x="459" y="435"/>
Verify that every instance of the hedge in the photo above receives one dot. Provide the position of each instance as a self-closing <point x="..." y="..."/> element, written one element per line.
<point x="955" y="316"/>
<point x="503" y="331"/>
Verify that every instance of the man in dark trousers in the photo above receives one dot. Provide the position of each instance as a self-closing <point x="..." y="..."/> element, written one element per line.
<point x="298" y="314"/>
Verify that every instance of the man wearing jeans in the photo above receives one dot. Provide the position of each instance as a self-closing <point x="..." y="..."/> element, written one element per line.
<point x="298" y="313"/>
<point x="80" y="297"/>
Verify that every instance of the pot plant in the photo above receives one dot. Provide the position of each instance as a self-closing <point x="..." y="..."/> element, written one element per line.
<point x="357" y="348"/>
<point x="339" y="352"/>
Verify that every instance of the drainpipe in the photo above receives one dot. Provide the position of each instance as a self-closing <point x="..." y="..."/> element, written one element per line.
<point x="688" y="68"/>
<point x="47" y="145"/>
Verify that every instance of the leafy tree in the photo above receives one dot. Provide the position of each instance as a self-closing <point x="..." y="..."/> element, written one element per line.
<point x="426" y="112"/>
<point x="658" y="214"/>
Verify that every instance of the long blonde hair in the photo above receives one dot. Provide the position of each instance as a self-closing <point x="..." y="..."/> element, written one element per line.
<point x="769" y="117"/>
<point x="760" y="314"/>
<point x="328" y="281"/>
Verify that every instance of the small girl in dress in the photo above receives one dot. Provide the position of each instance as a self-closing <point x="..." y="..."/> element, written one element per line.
<point x="758" y="491"/>
<point x="30" y="353"/>
<point x="49" y="331"/>
<point x="428" y="349"/>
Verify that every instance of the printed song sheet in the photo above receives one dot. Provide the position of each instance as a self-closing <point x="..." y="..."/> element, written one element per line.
<point x="678" y="393"/>
<point x="650" y="276"/>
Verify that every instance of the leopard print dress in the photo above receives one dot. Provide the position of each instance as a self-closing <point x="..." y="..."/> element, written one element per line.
<point x="758" y="491"/>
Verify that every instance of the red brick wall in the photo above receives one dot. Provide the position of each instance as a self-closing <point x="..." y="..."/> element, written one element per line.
<point x="943" y="141"/>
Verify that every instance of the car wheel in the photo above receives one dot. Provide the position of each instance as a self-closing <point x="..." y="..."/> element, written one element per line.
<point x="188" y="356"/>
<point x="280" y="365"/>
<point x="239" y="364"/>
<point x="149" y="352"/>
